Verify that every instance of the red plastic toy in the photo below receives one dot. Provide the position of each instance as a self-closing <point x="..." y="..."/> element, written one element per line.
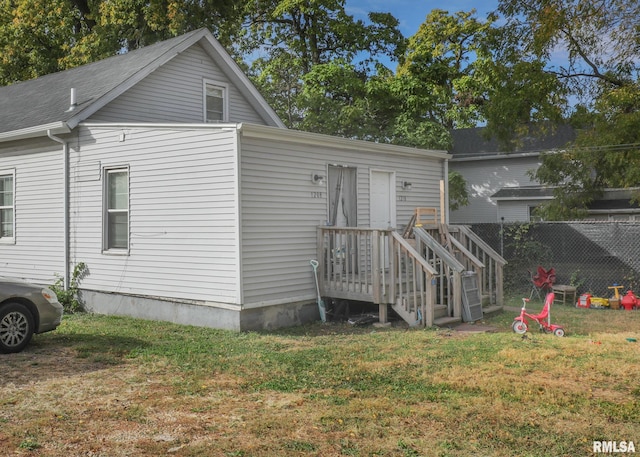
<point x="521" y="324"/>
<point x="629" y="301"/>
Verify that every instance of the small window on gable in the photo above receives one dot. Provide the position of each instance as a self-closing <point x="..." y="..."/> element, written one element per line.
<point x="7" y="205"/>
<point x="116" y="211"/>
<point x="215" y="102"/>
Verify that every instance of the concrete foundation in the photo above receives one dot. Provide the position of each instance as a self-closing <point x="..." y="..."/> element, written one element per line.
<point x="227" y="317"/>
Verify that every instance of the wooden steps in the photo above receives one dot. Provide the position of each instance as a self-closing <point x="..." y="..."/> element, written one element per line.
<point x="446" y="321"/>
<point x="441" y="317"/>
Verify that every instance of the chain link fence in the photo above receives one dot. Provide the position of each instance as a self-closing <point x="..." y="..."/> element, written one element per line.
<point x="591" y="256"/>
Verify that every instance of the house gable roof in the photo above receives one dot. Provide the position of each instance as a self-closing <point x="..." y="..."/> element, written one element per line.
<point x="524" y="193"/>
<point x="611" y="200"/>
<point x="32" y="107"/>
<point x="471" y="144"/>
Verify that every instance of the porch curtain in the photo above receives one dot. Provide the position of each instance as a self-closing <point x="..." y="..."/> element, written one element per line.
<point x="342" y="213"/>
<point x="343" y="197"/>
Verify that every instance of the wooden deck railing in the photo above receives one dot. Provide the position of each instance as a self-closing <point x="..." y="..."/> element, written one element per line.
<point x="382" y="267"/>
<point x="448" y="271"/>
<point x="377" y="266"/>
<point x="413" y="282"/>
<point x="491" y="276"/>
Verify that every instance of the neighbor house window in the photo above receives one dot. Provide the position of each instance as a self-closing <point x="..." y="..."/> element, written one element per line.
<point x="533" y="214"/>
<point x="7" y="205"/>
<point x="116" y="230"/>
<point x="215" y="102"/>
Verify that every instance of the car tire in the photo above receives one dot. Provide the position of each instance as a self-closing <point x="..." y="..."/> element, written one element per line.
<point x="16" y="327"/>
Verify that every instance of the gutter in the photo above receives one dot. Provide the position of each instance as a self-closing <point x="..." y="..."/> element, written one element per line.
<point x="33" y="132"/>
<point x="65" y="151"/>
<point x="319" y="139"/>
<point x="495" y="156"/>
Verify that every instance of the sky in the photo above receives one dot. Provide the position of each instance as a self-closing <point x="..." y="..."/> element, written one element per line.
<point x="412" y="13"/>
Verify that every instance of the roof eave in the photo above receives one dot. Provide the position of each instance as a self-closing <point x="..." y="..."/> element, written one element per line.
<point x="55" y="128"/>
<point x="268" y="132"/>
<point x="511" y="199"/>
<point x="496" y="156"/>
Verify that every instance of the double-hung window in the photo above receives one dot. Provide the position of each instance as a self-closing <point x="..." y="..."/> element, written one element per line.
<point x="216" y="104"/>
<point x="116" y="211"/>
<point x="7" y="205"/>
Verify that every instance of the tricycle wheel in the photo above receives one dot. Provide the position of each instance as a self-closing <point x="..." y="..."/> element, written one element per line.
<point x="558" y="332"/>
<point x="519" y="327"/>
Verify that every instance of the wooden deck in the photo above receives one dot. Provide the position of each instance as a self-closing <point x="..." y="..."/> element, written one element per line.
<point x="415" y="277"/>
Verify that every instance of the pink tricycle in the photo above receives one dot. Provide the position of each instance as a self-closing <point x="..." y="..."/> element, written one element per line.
<point x="521" y="324"/>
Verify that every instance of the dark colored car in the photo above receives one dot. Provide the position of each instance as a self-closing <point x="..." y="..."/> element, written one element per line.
<point x="25" y="309"/>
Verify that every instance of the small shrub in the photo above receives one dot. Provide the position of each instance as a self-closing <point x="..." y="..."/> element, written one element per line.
<point x="69" y="297"/>
<point x="30" y="444"/>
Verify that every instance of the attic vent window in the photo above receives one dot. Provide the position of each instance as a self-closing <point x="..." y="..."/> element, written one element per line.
<point x="216" y="102"/>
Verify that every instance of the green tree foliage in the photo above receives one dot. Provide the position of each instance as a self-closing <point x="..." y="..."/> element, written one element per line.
<point x="606" y="154"/>
<point x="600" y="42"/>
<point x="438" y="71"/>
<point x="35" y="36"/>
<point x="314" y="61"/>
<point x="458" y="193"/>
<point x="437" y="86"/>
<point x="598" y="39"/>
<point x="39" y="37"/>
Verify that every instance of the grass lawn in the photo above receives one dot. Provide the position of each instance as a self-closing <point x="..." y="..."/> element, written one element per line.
<point x="109" y="386"/>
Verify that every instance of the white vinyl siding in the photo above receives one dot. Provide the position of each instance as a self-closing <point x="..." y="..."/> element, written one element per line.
<point x="173" y="93"/>
<point x="518" y="210"/>
<point x="36" y="252"/>
<point x="486" y="177"/>
<point x="182" y="213"/>
<point x="282" y="207"/>
<point x="7" y="205"/>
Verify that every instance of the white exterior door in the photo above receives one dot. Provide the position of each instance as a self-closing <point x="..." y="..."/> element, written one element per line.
<point x="383" y="200"/>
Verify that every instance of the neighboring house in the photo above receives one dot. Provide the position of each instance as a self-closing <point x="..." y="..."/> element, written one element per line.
<point x="498" y="182"/>
<point x="499" y="185"/>
<point x="167" y="174"/>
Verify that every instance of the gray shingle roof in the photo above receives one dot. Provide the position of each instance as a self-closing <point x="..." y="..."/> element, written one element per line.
<point x="46" y="100"/>
<point x="523" y="193"/>
<point x="28" y="106"/>
<point x="470" y="142"/>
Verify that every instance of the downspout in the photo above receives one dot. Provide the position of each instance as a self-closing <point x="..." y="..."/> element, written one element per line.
<point x="65" y="150"/>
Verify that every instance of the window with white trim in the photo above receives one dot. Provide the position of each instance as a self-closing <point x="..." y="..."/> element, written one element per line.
<point x="215" y="102"/>
<point x="7" y="205"/>
<point x="116" y="211"/>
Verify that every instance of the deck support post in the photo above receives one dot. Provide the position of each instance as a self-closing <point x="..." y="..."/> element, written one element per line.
<point x="383" y="313"/>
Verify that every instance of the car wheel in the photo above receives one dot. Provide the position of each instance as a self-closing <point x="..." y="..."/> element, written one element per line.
<point x="16" y="327"/>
